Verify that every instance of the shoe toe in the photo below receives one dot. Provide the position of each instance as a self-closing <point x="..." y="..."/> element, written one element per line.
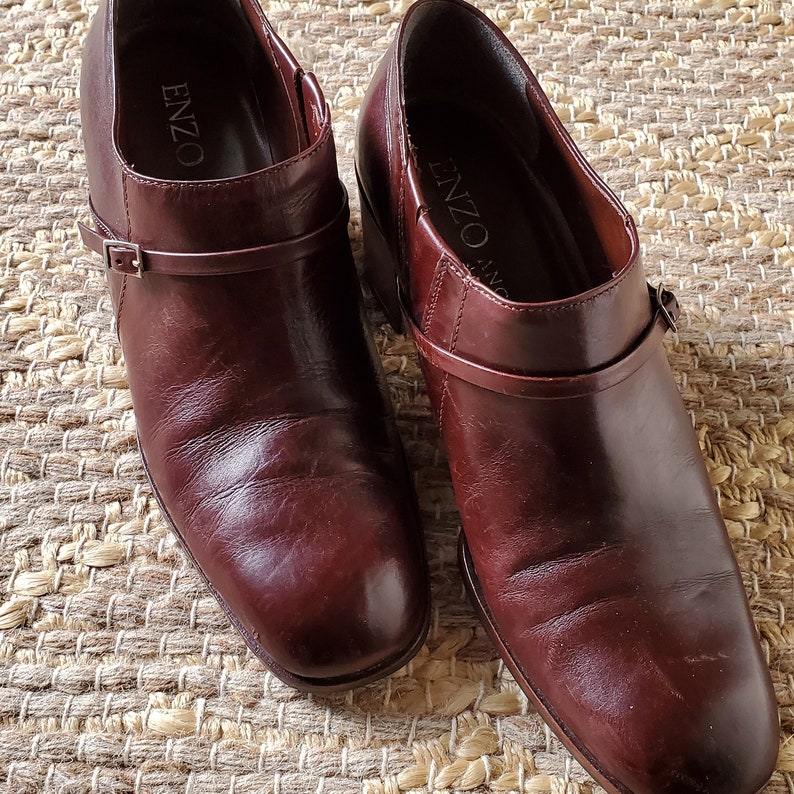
<point x="682" y="704"/>
<point x="731" y="745"/>
<point x="337" y="598"/>
<point x="716" y="733"/>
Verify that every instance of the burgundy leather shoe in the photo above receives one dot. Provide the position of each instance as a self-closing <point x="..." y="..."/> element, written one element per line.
<point x="262" y="411"/>
<point x="592" y="544"/>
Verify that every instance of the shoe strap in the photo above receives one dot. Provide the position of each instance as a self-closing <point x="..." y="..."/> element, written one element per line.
<point x="554" y="387"/>
<point x="130" y="259"/>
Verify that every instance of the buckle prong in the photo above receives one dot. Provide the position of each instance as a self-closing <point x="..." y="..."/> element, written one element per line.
<point x="658" y="296"/>
<point x="137" y="261"/>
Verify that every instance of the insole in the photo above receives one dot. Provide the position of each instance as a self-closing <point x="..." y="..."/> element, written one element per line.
<point x="498" y="212"/>
<point x="189" y="108"/>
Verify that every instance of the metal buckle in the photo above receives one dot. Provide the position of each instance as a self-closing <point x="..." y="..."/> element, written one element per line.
<point x="127" y="246"/>
<point x="658" y="297"/>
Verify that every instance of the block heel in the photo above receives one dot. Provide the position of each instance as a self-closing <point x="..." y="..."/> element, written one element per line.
<point x="380" y="269"/>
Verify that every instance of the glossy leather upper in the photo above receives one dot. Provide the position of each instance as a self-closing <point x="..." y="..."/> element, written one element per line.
<point x="261" y="406"/>
<point x="598" y="554"/>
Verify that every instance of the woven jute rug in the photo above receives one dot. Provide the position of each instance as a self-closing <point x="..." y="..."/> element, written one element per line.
<point x="118" y="671"/>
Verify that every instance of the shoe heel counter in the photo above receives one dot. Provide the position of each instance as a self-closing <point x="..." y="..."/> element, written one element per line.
<point x="375" y="157"/>
<point x="379" y="266"/>
<point x="97" y="93"/>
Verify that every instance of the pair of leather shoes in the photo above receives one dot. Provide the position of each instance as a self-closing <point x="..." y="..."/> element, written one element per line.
<point x="592" y="545"/>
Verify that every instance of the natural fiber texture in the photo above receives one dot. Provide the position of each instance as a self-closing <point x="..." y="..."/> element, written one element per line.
<point x="118" y="672"/>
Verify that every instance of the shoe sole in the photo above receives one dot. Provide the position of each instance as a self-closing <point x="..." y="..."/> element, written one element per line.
<point x="318" y="686"/>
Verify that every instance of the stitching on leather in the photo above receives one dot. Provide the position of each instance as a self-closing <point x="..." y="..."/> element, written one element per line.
<point x="443" y="401"/>
<point x="444" y="385"/>
<point x="543" y="309"/>
<point x="121" y="303"/>
<point x="283" y="79"/>
<point x="401" y="221"/>
<point x="595" y="179"/>
<point x="222" y="185"/>
<point x="129" y="237"/>
<point x="401" y="203"/>
<point x="126" y="204"/>
<point x="435" y="290"/>
<point x="466" y="286"/>
<point x="102" y="225"/>
<point x="390" y="103"/>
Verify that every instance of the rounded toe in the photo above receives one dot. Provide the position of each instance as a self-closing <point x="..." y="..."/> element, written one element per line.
<point x="726" y="743"/>
<point x="733" y="751"/>
<point x="361" y="631"/>
<point x="651" y="714"/>
<point x="341" y="601"/>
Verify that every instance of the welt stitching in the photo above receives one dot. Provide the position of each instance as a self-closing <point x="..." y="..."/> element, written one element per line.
<point x="229" y="183"/>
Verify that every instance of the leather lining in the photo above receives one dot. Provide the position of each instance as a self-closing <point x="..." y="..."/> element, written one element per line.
<point x="197" y="98"/>
<point x="499" y="184"/>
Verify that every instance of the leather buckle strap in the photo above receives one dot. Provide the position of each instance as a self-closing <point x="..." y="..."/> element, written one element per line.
<point x="114" y="253"/>
<point x="555" y="387"/>
<point x="130" y="259"/>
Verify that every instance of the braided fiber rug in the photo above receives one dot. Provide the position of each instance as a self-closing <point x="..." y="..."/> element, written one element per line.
<point x="118" y="671"/>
